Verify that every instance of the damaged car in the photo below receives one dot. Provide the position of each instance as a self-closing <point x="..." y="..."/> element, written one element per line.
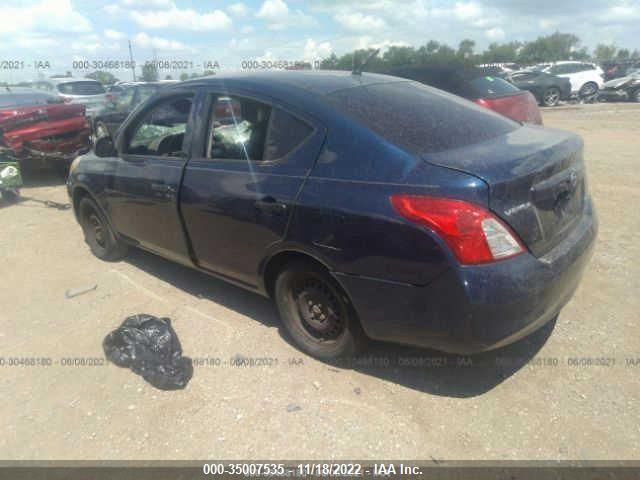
<point x="622" y="89"/>
<point x="365" y="205"/>
<point x="39" y="126"/>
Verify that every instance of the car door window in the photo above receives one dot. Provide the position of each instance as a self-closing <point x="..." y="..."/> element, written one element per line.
<point x="123" y="101"/>
<point x="245" y="129"/>
<point x="161" y="130"/>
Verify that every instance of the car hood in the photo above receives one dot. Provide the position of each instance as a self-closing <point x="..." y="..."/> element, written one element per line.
<point x="619" y="82"/>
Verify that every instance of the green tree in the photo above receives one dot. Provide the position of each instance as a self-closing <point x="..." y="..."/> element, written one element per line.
<point x="396" y="56"/>
<point x="623" y="54"/>
<point x="149" y="73"/>
<point x="465" y="48"/>
<point x="501" y="52"/>
<point x="184" y="76"/>
<point x="105" y="78"/>
<point x="551" y="48"/>
<point x="604" y="52"/>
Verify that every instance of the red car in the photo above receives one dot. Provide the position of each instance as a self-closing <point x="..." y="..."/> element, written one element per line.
<point x="39" y="125"/>
<point x="473" y="84"/>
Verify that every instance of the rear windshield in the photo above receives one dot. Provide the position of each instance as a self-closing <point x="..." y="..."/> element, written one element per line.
<point x="81" y="88"/>
<point x="489" y="87"/>
<point x="26" y="99"/>
<point x="418" y="118"/>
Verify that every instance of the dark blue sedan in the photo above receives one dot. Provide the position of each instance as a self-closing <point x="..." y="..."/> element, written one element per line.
<point x="367" y="206"/>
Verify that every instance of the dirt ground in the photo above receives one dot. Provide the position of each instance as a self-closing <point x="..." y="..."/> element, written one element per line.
<point x="537" y="399"/>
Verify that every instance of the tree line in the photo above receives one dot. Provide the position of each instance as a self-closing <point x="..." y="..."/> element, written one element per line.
<point x="550" y="48"/>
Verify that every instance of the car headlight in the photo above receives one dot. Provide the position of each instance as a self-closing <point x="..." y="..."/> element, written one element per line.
<point x="74" y="164"/>
<point x="9" y="172"/>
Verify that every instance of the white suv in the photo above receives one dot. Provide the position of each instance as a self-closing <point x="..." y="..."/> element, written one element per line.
<point x="586" y="78"/>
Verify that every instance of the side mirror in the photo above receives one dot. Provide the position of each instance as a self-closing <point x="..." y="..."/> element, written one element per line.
<point x="104" y="147"/>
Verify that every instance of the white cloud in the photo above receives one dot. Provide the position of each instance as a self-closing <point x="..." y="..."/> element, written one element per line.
<point x="273" y="11"/>
<point x="278" y="16"/>
<point x="146" y="41"/>
<point x="45" y="16"/>
<point x="185" y="19"/>
<point x="238" y="9"/>
<point x="358" y="22"/>
<point x="114" y="34"/>
<point x="495" y="33"/>
<point x="113" y="9"/>
<point x="247" y="29"/>
<point x="367" y="42"/>
<point x="316" y="51"/>
<point x="139" y="4"/>
<point x="466" y="11"/>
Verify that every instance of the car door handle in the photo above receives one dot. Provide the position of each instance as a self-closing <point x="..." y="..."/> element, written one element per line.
<point x="271" y="205"/>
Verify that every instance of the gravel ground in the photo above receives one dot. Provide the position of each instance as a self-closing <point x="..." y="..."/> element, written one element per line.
<point x="537" y="399"/>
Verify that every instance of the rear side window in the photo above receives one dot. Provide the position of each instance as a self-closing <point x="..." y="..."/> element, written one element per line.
<point x="420" y="119"/>
<point x="244" y="129"/>
<point x="81" y="88"/>
<point x="285" y="133"/>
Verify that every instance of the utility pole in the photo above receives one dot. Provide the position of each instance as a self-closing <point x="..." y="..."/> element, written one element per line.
<point x="133" y="67"/>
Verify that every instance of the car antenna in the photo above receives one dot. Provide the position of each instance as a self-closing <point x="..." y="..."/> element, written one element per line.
<point x="357" y="70"/>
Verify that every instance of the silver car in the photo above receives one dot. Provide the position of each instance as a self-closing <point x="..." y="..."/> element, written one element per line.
<point x="85" y="91"/>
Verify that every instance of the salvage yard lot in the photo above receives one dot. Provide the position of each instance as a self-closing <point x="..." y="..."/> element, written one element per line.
<point x="570" y="391"/>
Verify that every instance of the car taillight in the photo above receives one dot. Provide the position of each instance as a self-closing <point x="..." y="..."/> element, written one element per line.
<point x="521" y="107"/>
<point x="472" y="232"/>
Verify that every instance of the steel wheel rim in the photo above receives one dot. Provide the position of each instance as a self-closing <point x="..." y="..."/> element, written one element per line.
<point x="97" y="228"/>
<point x="319" y="310"/>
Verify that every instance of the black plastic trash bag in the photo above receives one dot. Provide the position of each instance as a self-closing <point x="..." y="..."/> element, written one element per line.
<point x="149" y="347"/>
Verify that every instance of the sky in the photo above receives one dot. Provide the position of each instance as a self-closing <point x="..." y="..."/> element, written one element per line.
<point x="46" y="37"/>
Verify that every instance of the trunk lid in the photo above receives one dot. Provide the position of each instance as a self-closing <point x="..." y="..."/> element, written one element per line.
<point x="536" y="179"/>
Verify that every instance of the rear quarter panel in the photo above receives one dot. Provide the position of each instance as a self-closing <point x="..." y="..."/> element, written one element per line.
<point x="344" y="216"/>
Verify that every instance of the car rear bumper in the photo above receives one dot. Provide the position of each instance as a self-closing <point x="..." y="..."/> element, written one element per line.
<point x="474" y="309"/>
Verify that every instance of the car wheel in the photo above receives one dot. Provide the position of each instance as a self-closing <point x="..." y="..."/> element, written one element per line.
<point x="98" y="234"/>
<point x="317" y="313"/>
<point x="635" y="95"/>
<point x="10" y="196"/>
<point x="101" y="130"/>
<point x="551" y="97"/>
<point x="588" y="89"/>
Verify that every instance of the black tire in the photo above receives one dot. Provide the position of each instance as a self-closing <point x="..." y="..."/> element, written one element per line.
<point x="588" y="89"/>
<point x="551" y="97"/>
<point x="98" y="234"/>
<point x="635" y="95"/>
<point x="10" y="196"/>
<point x="317" y="313"/>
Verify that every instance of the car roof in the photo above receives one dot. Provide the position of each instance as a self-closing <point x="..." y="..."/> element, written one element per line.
<point x="319" y="82"/>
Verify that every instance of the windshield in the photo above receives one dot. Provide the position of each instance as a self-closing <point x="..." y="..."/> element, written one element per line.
<point x="418" y="118"/>
<point x="26" y="99"/>
<point x="81" y="88"/>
